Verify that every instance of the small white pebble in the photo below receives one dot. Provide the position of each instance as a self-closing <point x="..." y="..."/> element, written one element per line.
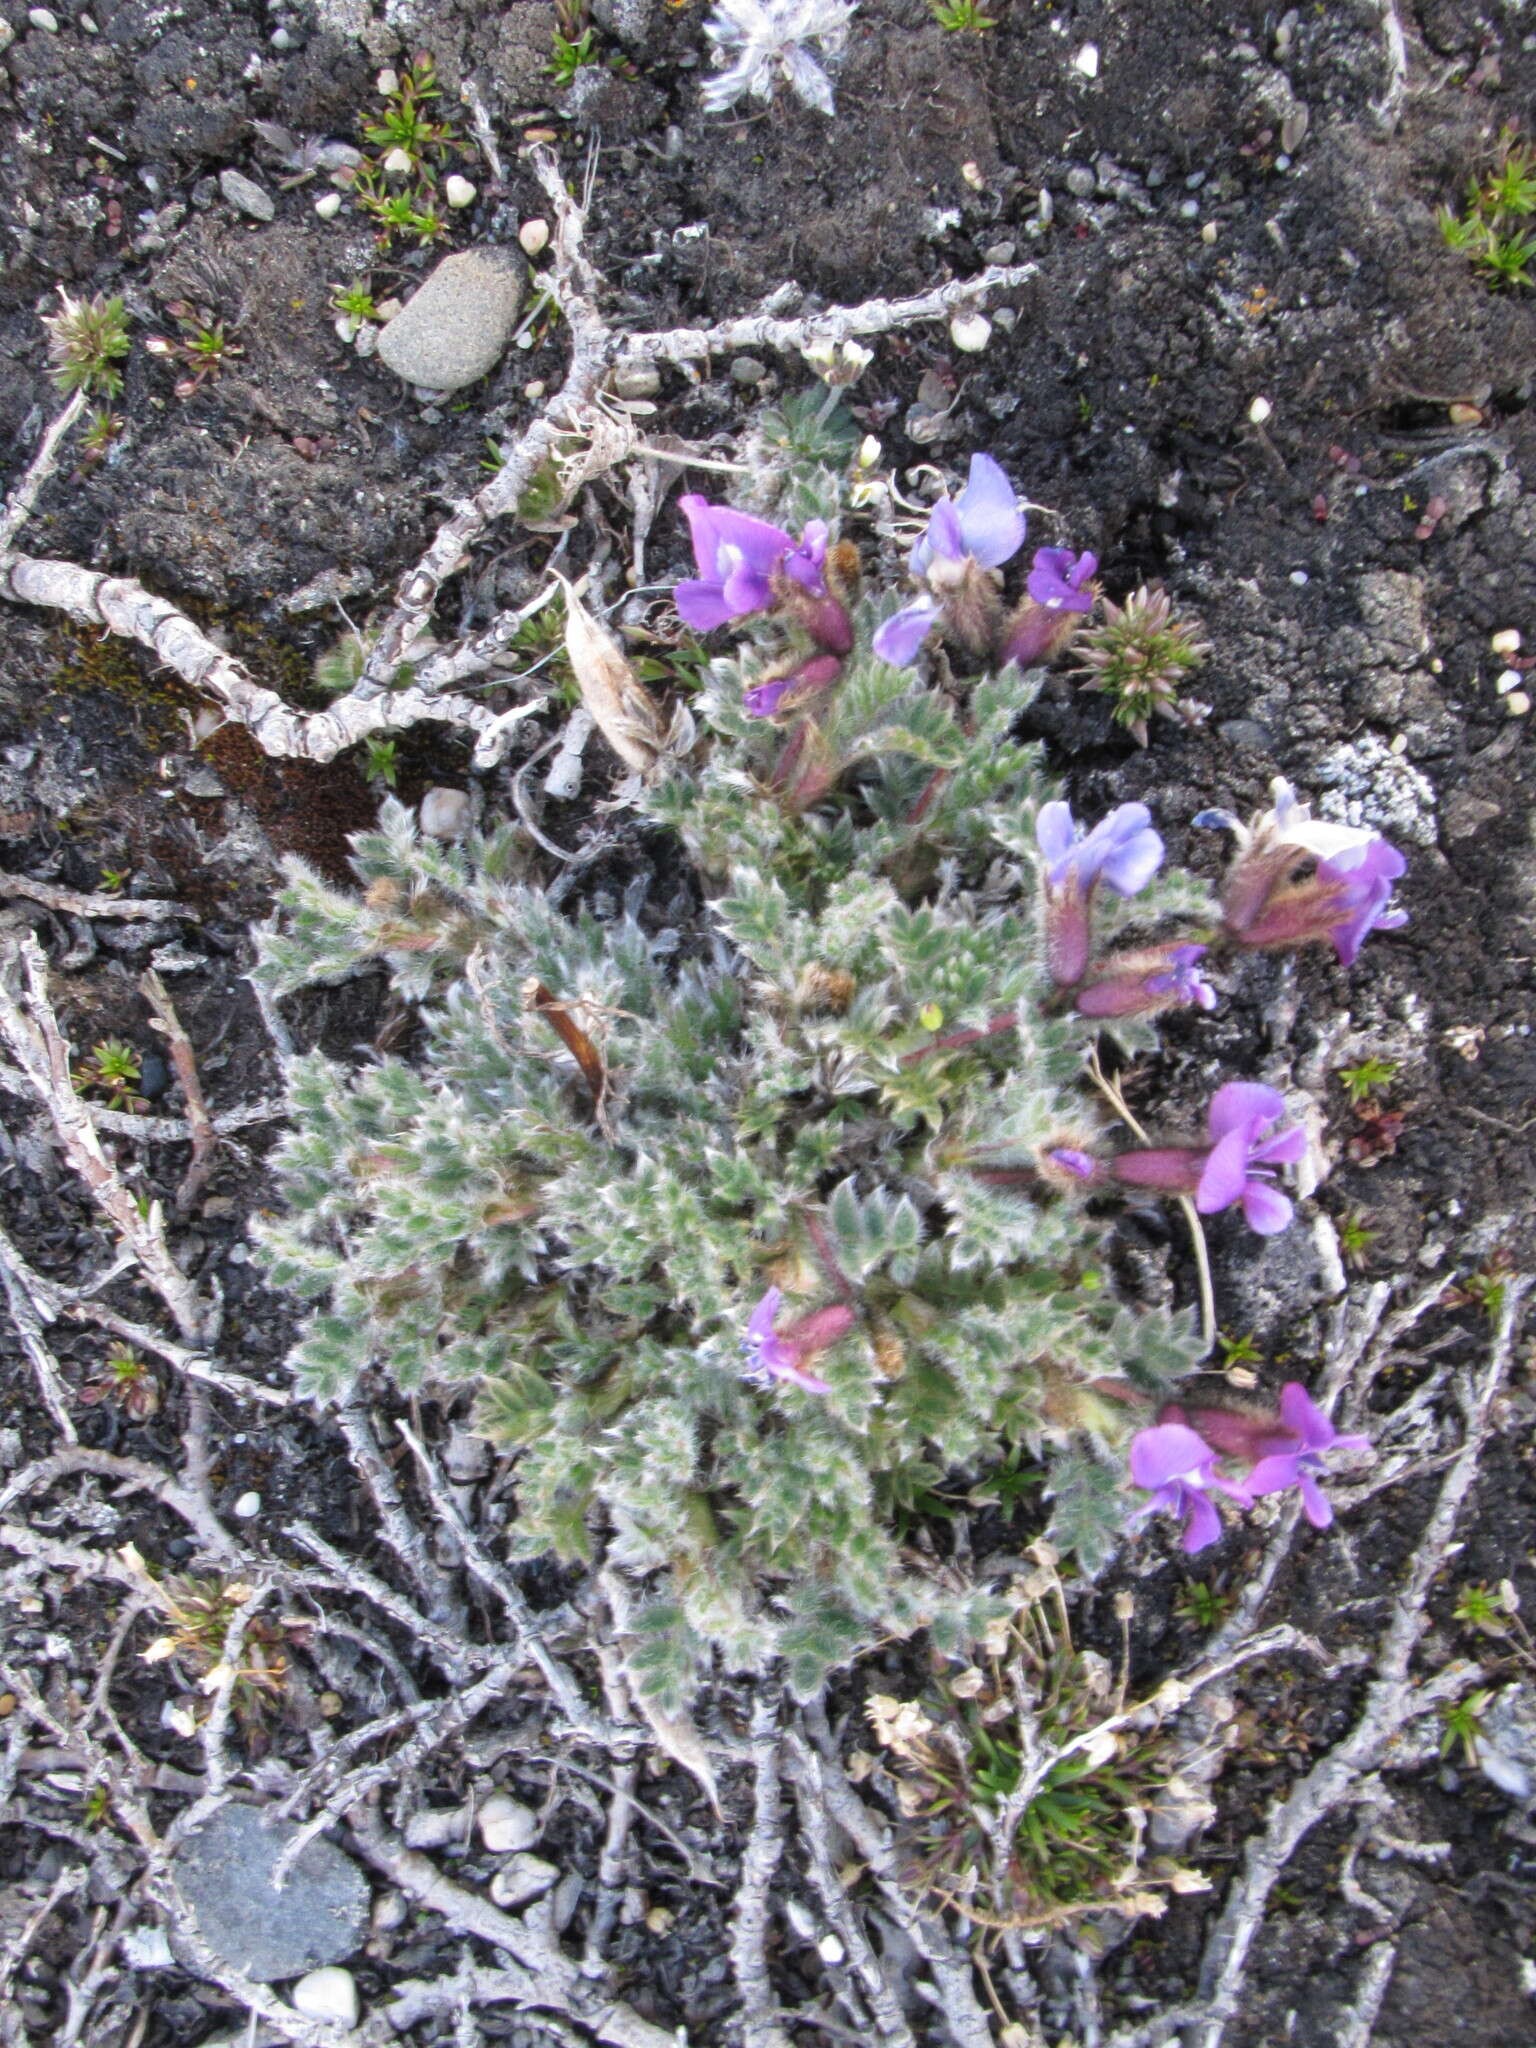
<point x="1259" y="411"/>
<point x="280" y="39"/>
<point x="328" y="1994"/>
<point x="1517" y="703"/>
<point x="387" y="82"/>
<point x="970" y="332"/>
<point x="459" y="192"/>
<point x="1510" y="680"/>
<point x="506" y="1825"/>
<point x="1507" y="642"/>
<point x="1189" y="209"/>
<point x="1399" y="744"/>
<point x="830" y="1949"/>
<point x="1208" y="233"/>
<point x="535" y="389"/>
<point x="971" y="171"/>
<point x="446" y="814"/>
<point x="45" y="19"/>
<point x="1298" y="577"/>
<point x="397" y="163"/>
<point x="1087" y="60"/>
<point x="247" y="1507"/>
<point x="328" y="205"/>
<point x="533" y="237"/>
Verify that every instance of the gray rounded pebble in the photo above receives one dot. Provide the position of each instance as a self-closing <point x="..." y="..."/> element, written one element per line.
<point x="748" y="370"/>
<point x="246" y="196"/>
<point x="636" y="380"/>
<point x="1081" y="182"/>
<point x="458" y="324"/>
<point x="224" y="1872"/>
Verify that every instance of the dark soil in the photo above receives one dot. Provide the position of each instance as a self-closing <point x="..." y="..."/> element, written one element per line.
<point x="1192" y="265"/>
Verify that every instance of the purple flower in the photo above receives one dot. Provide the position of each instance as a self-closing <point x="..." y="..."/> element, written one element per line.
<point x="1347" y="895"/>
<point x="1363" y="881"/>
<point x="1178" y="1467"/>
<point x="774" y="1356"/>
<point x="1056" y="579"/>
<point x="983" y="524"/>
<point x="1315" y="1436"/>
<point x="737" y="558"/>
<point x="979" y="530"/>
<point x="1080" y="1165"/>
<point x="898" y="638"/>
<point x="1235" y="1166"/>
<point x="783" y="694"/>
<point x="1141" y="984"/>
<point x="1122" y="851"/>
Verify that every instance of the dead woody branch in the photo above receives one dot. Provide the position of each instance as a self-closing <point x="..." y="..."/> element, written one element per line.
<point x="32" y="1032"/>
<point x="573" y="420"/>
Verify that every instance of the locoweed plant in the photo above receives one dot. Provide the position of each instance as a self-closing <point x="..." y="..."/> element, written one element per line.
<point x="750" y="1236"/>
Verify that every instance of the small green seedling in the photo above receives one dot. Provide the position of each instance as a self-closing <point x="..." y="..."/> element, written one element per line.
<point x="1355" y="1239"/>
<point x="1366" y="1077"/>
<point x="125" y="1380"/>
<point x="1200" y="1603"/>
<point x="354" y="301"/>
<point x="1463" y="1723"/>
<point x="87" y="338"/>
<point x="202" y="344"/>
<point x="1492" y="231"/>
<point x="962" y="17"/>
<point x="101" y="430"/>
<point x="113" y="1069"/>
<point x="1242" y="1350"/>
<point x="383" y="762"/>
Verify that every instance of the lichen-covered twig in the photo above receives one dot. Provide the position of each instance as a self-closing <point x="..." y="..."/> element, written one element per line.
<point x="32" y="1309"/>
<point x="554" y="1981"/>
<point x="73" y="904"/>
<point x="18" y="506"/>
<point x="750" y="1914"/>
<point x="835" y="323"/>
<point x="38" y="1047"/>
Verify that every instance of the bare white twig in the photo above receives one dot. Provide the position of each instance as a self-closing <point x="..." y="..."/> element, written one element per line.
<point x="38" y="1046"/>
<point x="836" y="323"/>
<point x="1392" y="1701"/>
<point x="72" y="904"/>
<point x="18" y="506"/>
<point x="750" y="1915"/>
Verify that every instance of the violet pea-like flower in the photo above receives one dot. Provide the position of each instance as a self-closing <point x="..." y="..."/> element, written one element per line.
<point x="1122" y="852"/>
<point x="1236" y="1167"/>
<point x="738" y="557"/>
<point x="1142" y="983"/>
<point x="774" y="1355"/>
<point x="1056" y="579"/>
<point x="1178" y="1468"/>
<point x="1362" y="902"/>
<point x="1314" y="1437"/>
<point x="980" y="529"/>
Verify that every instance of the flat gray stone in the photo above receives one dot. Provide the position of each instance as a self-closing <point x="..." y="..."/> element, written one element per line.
<point x="246" y="196"/>
<point x="224" y="1872"/>
<point x="458" y="323"/>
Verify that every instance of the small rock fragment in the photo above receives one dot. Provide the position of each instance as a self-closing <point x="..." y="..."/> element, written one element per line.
<point x="533" y="237"/>
<point x="636" y="380"/>
<point x="748" y="370"/>
<point x="224" y="1873"/>
<point x="328" y="1994"/>
<point x="1081" y="182"/>
<point x="45" y="19"/>
<point x="506" y="1825"/>
<point x="328" y="205"/>
<point x="1517" y="703"/>
<point x="1087" y="60"/>
<point x="459" y="192"/>
<point x="1506" y="642"/>
<point x="1259" y="411"/>
<point x="246" y="196"/>
<point x="445" y="813"/>
<point x="522" y="1878"/>
<point x="247" y="1507"/>
<point x="456" y="326"/>
<point x="435" y="1827"/>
